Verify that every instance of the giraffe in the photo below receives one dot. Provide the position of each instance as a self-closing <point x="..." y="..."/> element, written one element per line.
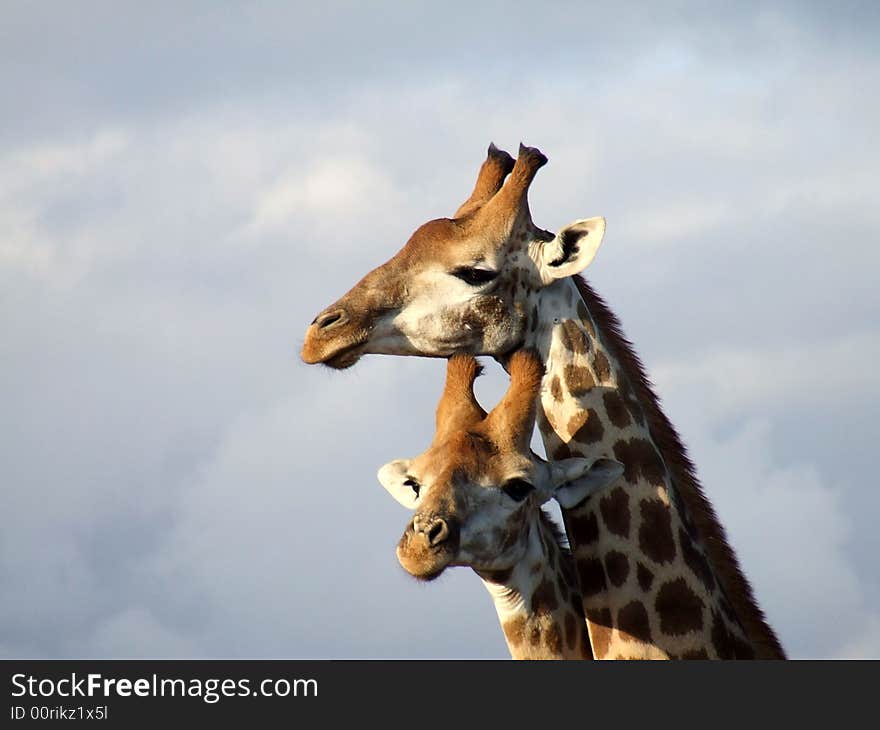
<point x="477" y="494"/>
<point x="657" y="576"/>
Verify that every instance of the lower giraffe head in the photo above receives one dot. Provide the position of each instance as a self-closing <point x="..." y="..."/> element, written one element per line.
<point x="478" y="489"/>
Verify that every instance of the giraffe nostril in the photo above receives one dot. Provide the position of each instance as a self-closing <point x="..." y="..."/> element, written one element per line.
<point x="326" y="320"/>
<point x="437" y="532"/>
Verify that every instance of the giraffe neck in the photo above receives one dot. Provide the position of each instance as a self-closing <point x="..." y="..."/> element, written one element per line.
<point x="649" y="587"/>
<point x="537" y="601"/>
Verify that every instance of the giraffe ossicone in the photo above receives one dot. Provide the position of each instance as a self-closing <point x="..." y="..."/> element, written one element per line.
<point x="477" y="494"/>
<point x="656" y="573"/>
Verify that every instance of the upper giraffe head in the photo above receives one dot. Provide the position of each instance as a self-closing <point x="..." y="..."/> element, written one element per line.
<point x="460" y="284"/>
<point x="476" y="488"/>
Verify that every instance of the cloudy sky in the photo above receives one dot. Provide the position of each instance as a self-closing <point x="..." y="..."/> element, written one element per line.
<point x="183" y="187"/>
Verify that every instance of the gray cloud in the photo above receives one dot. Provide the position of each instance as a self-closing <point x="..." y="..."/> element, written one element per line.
<point x="181" y="193"/>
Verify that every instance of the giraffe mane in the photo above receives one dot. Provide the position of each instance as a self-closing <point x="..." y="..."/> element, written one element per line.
<point x="684" y="478"/>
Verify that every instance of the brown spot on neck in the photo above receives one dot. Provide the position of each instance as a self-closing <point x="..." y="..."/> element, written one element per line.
<point x="633" y="623"/>
<point x="578" y="380"/>
<point x="553" y="639"/>
<point x="679" y="608"/>
<point x="573" y="338"/>
<point x="584" y="528"/>
<point x="616" y="567"/>
<point x="556" y="389"/>
<point x="615" y="512"/>
<point x="586" y="427"/>
<point x="640" y="459"/>
<point x="602" y="367"/>
<point x="591" y="576"/>
<point x="616" y="409"/>
<point x="655" y="532"/>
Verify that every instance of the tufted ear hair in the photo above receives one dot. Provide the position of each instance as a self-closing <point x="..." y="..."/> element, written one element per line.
<point x="394" y="477"/>
<point x="497" y="166"/>
<point x="572" y="249"/>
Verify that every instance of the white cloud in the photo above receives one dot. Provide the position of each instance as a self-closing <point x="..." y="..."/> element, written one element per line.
<point x="25" y="168"/>
<point x="37" y="176"/>
<point x="822" y="372"/>
<point x="672" y="222"/>
<point x="332" y="193"/>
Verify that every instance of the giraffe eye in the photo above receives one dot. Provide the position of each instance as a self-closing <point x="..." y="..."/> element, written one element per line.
<point x="413" y="484"/>
<point x="517" y="489"/>
<point x="474" y="277"/>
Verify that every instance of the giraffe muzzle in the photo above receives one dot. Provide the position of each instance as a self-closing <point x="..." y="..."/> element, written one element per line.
<point x="333" y="339"/>
<point x="428" y="546"/>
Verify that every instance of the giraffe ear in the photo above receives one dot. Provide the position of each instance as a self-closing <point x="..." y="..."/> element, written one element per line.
<point x="400" y="485"/>
<point x="572" y="250"/>
<point x="576" y="478"/>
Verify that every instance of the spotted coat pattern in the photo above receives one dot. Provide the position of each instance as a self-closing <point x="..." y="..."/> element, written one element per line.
<point x="648" y="590"/>
<point x="538" y="601"/>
